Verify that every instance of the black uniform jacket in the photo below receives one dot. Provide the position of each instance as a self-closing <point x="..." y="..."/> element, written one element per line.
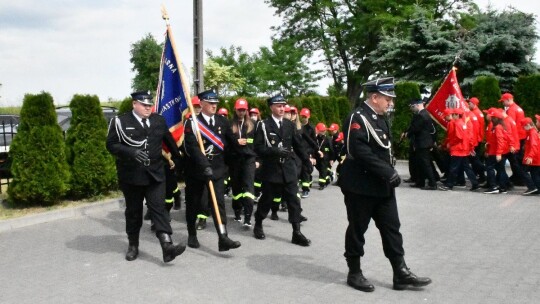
<point x="129" y="170"/>
<point x="324" y="144"/>
<point x="238" y="152"/>
<point x="368" y="166"/>
<point x="421" y="130"/>
<point x="308" y="135"/>
<point x="196" y="161"/>
<point x="273" y="168"/>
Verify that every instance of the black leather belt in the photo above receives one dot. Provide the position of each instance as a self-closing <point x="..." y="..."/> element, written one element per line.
<point x="149" y="162"/>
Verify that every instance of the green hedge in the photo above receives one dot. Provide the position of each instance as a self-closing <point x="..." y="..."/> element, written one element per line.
<point x="92" y="166"/>
<point x="40" y="171"/>
<point x="487" y="90"/>
<point x="527" y="94"/>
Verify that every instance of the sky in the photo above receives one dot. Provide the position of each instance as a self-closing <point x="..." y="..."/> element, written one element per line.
<point x="68" y="47"/>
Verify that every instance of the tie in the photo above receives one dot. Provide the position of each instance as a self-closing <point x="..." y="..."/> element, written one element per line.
<point x="212" y="122"/>
<point x="145" y="125"/>
<point x="280" y="129"/>
<point x="280" y="124"/>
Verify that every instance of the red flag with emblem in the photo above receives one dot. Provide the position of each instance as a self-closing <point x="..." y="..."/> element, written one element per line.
<point x="448" y="96"/>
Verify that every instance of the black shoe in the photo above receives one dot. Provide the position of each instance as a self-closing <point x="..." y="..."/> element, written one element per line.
<point x="237" y="217"/>
<point x="406" y="278"/>
<point x="403" y="277"/>
<point x="502" y="190"/>
<point x="225" y="243"/>
<point x="177" y="205"/>
<point x="305" y="194"/>
<point x="283" y="207"/>
<point x="170" y="251"/>
<point x="299" y="239"/>
<point x="408" y="181"/>
<point x="444" y="188"/>
<point x="492" y="191"/>
<point x="358" y="281"/>
<point x="258" y="232"/>
<point x="485" y="186"/>
<point x="201" y="224"/>
<point x="475" y="187"/>
<point x="193" y="242"/>
<point x="132" y="253"/>
<point x="429" y="188"/>
<point x="321" y="187"/>
<point x="463" y="185"/>
<point x="303" y="218"/>
<point x="530" y="192"/>
<point x="274" y="216"/>
<point x="247" y="223"/>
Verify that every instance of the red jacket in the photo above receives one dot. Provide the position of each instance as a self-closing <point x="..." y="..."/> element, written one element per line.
<point x="498" y="141"/>
<point x="472" y="126"/>
<point x="511" y="127"/>
<point x="481" y="123"/>
<point x="532" y="148"/>
<point x="459" y="138"/>
<point x="517" y="115"/>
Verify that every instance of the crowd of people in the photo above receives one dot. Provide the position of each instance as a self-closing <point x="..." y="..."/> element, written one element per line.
<point x="477" y="146"/>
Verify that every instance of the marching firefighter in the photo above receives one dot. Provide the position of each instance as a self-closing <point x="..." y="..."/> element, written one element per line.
<point x="324" y="155"/>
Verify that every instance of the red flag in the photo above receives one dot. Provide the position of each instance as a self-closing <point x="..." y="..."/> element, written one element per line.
<point x="448" y="96"/>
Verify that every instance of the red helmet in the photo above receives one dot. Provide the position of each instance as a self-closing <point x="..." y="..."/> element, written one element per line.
<point x="333" y="127"/>
<point x="474" y="100"/>
<point x="305" y="112"/>
<point x="223" y="111"/>
<point x="195" y="101"/>
<point x="287" y="109"/>
<point x="240" y="104"/>
<point x="294" y="109"/>
<point x="339" y="137"/>
<point x="254" y="111"/>
<point x="320" y="127"/>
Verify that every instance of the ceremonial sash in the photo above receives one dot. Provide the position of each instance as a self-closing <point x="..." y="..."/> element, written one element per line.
<point x="211" y="136"/>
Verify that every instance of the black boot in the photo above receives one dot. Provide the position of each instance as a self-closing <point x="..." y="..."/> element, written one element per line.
<point x="133" y="248"/>
<point x="258" y="231"/>
<point x="170" y="251"/>
<point x="356" y="278"/>
<point x="225" y="243"/>
<point x="192" y="242"/>
<point x="297" y="237"/>
<point x="403" y="277"/>
<point x="237" y="215"/>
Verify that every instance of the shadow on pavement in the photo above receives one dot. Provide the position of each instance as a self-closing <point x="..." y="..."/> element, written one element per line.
<point x="297" y="266"/>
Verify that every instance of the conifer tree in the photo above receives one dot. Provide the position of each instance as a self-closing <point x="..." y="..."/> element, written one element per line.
<point x="39" y="168"/>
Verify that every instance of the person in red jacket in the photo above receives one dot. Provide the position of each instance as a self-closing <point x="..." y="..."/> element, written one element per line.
<point x="476" y="158"/>
<point x="497" y="147"/>
<point x="531" y="155"/>
<point x="459" y="145"/>
<point x="519" y="175"/>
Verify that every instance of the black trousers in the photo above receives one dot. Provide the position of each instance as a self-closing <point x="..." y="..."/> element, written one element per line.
<point x="194" y="203"/>
<point x="288" y="192"/>
<point x="322" y="166"/>
<point x="519" y="172"/>
<point x="424" y="166"/>
<point x="242" y="183"/>
<point x="360" y="210"/>
<point x="155" y="201"/>
<point x="413" y="165"/>
<point x="305" y="177"/>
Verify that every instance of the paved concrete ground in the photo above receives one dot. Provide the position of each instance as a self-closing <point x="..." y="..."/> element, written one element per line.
<point x="477" y="248"/>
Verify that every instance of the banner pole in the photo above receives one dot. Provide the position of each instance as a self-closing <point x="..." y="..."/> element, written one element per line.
<point x="165" y="17"/>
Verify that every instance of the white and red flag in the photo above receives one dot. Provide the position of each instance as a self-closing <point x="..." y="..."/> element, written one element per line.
<point x="448" y="96"/>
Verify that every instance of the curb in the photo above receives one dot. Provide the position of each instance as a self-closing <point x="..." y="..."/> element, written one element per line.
<point x="66" y="213"/>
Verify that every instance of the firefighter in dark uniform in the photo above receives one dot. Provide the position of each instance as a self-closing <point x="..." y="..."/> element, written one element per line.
<point x="135" y="139"/>
<point x="367" y="179"/>
<point x="308" y="137"/>
<point x="242" y="169"/>
<point x="421" y="131"/>
<point x="276" y="139"/>
<point x="216" y="135"/>
<point x="324" y="145"/>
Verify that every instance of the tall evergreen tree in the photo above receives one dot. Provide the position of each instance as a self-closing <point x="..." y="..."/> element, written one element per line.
<point x="39" y="168"/>
<point x="92" y="166"/>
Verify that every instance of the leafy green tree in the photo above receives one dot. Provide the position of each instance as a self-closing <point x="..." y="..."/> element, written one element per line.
<point x="487" y="90"/>
<point x="146" y="59"/>
<point x="241" y="62"/>
<point x="92" y="166"/>
<point x="284" y="68"/>
<point x="40" y="171"/>
<point x="345" y="32"/>
<point x="225" y="80"/>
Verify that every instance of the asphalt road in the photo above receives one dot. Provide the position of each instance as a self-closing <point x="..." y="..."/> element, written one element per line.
<point x="477" y="248"/>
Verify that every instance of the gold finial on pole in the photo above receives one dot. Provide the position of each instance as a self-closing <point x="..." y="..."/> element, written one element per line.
<point x="164" y="14"/>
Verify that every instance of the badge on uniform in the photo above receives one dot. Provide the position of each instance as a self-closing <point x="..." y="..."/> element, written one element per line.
<point x="355" y="126"/>
<point x="374" y="116"/>
<point x="219" y="130"/>
<point x="273" y="142"/>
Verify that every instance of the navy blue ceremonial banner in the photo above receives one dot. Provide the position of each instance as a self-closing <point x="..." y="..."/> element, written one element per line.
<point x="171" y="99"/>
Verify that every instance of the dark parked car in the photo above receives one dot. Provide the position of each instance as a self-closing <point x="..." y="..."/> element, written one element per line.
<point x="64" y="115"/>
<point x="8" y="129"/>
